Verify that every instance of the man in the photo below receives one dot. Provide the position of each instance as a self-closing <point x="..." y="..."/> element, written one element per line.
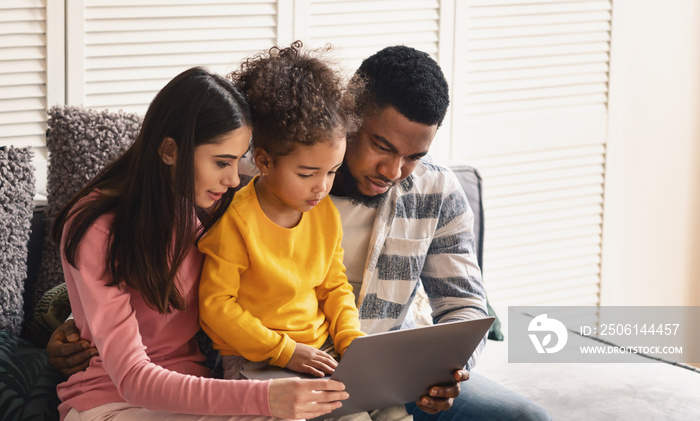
<point x="405" y="220"/>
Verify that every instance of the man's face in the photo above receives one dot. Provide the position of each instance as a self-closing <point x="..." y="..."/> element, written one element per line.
<point x="386" y="150"/>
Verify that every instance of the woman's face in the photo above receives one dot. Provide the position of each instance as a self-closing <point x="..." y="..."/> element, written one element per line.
<point x="216" y="166"/>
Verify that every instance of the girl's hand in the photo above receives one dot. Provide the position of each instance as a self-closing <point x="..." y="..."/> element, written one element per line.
<point x="295" y="398"/>
<point x="307" y="359"/>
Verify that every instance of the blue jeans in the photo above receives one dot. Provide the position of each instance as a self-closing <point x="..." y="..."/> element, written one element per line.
<point x="483" y="399"/>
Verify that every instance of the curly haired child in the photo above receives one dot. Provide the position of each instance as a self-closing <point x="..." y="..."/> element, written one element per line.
<point x="273" y="285"/>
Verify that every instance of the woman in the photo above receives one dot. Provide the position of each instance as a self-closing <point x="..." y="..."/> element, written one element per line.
<point x="132" y="268"/>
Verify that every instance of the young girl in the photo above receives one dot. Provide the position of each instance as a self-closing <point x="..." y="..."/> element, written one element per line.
<point x="132" y="269"/>
<point x="273" y="283"/>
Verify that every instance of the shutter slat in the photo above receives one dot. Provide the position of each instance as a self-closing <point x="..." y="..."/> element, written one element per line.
<point x="503" y="256"/>
<point x="32" y="141"/>
<point x="367" y="18"/>
<point x="322" y="7"/>
<point x="557" y="19"/>
<point x="547" y="103"/>
<point x="119" y="100"/>
<point x="544" y="207"/>
<point x="24" y="129"/>
<point x="491" y="3"/>
<point x="22" y="40"/>
<point x="543" y="267"/>
<point x="533" y="62"/>
<point x="18" y="92"/>
<point x="158" y="73"/>
<point x="347" y="43"/>
<point x="191" y="11"/>
<point x="98" y="41"/>
<point x="25" y="27"/>
<point x="123" y="3"/>
<point x="24" y="53"/>
<point x="23" y="104"/>
<point x="537" y="51"/>
<point x="500" y="175"/>
<point x="538" y="30"/>
<point x="28" y="66"/>
<point x="183" y="48"/>
<point x="387" y="29"/>
<point x="7" y="5"/>
<point x="538" y="83"/>
<point x="575" y="295"/>
<point x="538" y="72"/>
<point x="21" y="117"/>
<point x="154" y="25"/>
<point x="534" y="228"/>
<point x="184" y="61"/>
<point x="536" y="41"/>
<point x="527" y="182"/>
<point x="542" y="237"/>
<point x="543" y="196"/>
<point x="544" y="219"/>
<point x="18" y="79"/>
<point x="23" y="14"/>
<point x="544" y="9"/>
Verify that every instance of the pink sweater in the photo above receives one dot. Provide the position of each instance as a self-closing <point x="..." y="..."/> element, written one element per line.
<point x="146" y="358"/>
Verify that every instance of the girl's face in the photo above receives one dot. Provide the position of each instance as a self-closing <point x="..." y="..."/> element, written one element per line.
<point x="216" y="166"/>
<point x="297" y="182"/>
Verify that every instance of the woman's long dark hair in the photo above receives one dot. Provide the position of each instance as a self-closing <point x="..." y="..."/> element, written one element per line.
<point x="155" y="215"/>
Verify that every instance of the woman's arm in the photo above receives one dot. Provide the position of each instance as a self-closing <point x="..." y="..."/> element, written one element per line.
<point x="106" y="316"/>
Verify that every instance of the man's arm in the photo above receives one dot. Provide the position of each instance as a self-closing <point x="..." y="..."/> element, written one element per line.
<point x="67" y="352"/>
<point x="452" y="280"/>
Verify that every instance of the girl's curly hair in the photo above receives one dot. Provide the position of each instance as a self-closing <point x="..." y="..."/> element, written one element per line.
<point x="296" y="98"/>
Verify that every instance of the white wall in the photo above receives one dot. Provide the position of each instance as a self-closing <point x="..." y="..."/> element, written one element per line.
<point x="651" y="233"/>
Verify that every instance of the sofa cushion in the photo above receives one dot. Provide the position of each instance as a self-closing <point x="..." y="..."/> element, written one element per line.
<point x="16" y="207"/>
<point x="27" y="383"/>
<point x="80" y="142"/>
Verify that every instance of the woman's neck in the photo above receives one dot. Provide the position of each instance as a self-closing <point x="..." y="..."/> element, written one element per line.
<point x="274" y="208"/>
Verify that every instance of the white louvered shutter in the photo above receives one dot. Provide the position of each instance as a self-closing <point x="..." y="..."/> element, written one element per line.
<point x="358" y="28"/>
<point x="31" y="73"/>
<point x="530" y="112"/>
<point x="132" y="48"/>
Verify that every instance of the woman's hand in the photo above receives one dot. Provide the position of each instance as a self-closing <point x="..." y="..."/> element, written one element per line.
<point x="67" y="352"/>
<point x="295" y="398"/>
<point x="307" y="359"/>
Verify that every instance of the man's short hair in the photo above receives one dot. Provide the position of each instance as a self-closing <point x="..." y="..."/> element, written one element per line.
<point x="408" y="80"/>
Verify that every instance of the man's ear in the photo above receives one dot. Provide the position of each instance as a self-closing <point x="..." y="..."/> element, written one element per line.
<point x="168" y="151"/>
<point x="263" y="161"/>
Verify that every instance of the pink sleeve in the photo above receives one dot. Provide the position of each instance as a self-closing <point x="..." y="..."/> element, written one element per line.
<point x="114" y="329"/>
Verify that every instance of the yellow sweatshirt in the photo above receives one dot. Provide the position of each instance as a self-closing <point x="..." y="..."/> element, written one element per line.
<point x="264" y="287"/>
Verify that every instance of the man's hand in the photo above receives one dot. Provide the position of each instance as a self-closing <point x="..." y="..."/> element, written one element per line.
<point x="307" y="359"/>
<point x="67" y="352"/>
<point x="440" y="398"/>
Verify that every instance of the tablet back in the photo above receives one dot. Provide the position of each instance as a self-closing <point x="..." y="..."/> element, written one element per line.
<point x="398" y="367"/>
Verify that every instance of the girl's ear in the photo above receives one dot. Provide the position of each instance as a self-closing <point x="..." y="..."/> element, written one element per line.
<point x="168" y="151"/>
<point x="263" y="161"/>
